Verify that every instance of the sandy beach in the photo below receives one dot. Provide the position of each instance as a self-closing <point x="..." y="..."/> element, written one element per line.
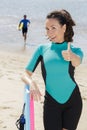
<point x="12" y="63"/>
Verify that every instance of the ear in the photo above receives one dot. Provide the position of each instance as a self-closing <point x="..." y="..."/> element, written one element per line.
<point x="64" y="28"/>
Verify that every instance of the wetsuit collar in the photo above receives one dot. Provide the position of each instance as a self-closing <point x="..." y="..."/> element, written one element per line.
<point x="58" y="43"/>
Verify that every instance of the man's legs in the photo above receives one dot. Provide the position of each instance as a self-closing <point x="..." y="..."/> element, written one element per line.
<point x="25" y="37"/>
<point x="24" y="32"/>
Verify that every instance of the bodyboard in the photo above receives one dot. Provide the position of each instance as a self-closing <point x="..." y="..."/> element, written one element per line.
<point x="29" y="110"/>
<point x="20" y="26"/>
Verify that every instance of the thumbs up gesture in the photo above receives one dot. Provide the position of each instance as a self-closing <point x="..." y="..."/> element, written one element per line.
<point x="67" y="53"/>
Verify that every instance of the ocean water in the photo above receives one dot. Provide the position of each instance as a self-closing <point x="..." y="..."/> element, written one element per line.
<point x="11" y="11"/>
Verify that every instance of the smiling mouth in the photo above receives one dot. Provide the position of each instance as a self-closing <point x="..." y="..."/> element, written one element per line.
<point x="52" y="38"/>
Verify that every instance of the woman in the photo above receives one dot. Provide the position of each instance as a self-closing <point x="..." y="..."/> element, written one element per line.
<point x="62" y="103"/>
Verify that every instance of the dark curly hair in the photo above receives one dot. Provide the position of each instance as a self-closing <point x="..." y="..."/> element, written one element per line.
<point x="64" y="17"/>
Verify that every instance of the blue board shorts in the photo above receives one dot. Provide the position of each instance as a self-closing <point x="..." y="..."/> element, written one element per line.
<point x="24" y="30"/>
<point x="57" y="116"/>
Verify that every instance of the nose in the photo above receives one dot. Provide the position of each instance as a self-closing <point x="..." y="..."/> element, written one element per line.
<point x="50" y="32"/>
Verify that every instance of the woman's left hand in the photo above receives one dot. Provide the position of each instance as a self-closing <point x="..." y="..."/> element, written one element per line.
<point x="67" y="53"/>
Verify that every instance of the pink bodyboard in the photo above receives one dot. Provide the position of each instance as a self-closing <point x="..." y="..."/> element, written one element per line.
<point x="32" y="125"/>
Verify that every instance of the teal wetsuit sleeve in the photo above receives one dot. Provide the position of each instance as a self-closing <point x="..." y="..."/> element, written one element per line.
<point x="35" y="59"/>
<point x="78" y="52"/>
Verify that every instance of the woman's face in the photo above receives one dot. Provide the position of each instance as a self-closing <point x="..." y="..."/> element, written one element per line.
<point x="54" y="30"/>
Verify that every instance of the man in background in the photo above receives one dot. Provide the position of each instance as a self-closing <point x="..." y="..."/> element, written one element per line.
<point x="24" y="23"/>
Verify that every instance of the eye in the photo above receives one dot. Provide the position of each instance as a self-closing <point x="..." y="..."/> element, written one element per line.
<point x="47" y="28"/>
<point x="53" y="27"/>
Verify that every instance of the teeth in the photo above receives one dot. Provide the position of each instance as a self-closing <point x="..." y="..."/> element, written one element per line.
<point x="51" y="38"/>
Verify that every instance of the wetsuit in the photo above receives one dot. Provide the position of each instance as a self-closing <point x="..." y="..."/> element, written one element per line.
<point x="61" y="87"/>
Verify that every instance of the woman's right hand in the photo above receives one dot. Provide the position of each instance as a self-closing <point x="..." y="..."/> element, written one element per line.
<point x="34" y="91"/>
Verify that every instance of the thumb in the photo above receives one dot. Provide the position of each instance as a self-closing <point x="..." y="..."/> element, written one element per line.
<point x="68" y="46"/>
